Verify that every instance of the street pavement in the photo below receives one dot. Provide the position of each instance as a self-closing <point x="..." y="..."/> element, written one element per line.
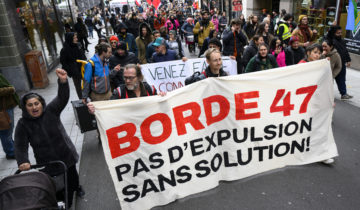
<point x="314" y="186"/>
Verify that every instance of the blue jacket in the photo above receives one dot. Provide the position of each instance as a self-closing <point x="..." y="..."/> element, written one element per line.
<point x="100" y="83"/>
<point x="188" y="28"/>
<point x="170" y="55"/>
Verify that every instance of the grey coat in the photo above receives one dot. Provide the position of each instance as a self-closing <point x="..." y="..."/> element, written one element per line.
<point x="46" y="134"/>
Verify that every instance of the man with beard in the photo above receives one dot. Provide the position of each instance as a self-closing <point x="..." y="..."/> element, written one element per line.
<point x="203" y="28"/>
<point x="162" y="54"/>
<point x="335" y="34"/>
<point x="120" y="59"/>
<point x="134" y="86"/>
<point x="126" y="37"/>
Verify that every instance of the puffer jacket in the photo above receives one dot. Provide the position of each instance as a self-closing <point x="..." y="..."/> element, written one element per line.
<point x="204" y="33"/>
<point x="100" y="83"/>
<point x="46" y="134"/>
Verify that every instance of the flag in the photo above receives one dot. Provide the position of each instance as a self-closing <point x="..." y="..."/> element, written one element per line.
<point x="353" y="18"/>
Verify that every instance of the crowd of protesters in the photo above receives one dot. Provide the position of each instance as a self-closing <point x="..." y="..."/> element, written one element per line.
<point x="157" y="35"/>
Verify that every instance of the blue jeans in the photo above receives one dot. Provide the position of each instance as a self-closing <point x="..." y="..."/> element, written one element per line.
<point x="7" y="141"/>
<point x="340" y="81"/>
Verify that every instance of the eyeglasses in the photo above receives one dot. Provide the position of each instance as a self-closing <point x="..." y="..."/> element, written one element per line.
<point x="114" y="42"/>
<point x="130" y="78"/>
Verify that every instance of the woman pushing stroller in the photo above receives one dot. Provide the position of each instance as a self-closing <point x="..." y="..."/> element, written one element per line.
<point x="41" y="127"/>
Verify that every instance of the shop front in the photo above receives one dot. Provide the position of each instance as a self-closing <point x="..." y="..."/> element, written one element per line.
<point x="43" y="28"/>
<point x="323" y="13"/>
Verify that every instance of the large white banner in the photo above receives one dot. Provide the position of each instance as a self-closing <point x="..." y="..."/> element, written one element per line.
<point x="159" y="149"/>
<point x="171" y="75"/>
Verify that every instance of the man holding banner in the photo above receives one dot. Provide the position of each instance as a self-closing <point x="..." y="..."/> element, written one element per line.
<point x="134" y="86"/>
<point x="213" y="58"/>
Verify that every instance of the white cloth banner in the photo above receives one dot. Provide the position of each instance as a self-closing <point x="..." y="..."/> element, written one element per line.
<point x="171" y="75"/>
<point x="159" y="149"/>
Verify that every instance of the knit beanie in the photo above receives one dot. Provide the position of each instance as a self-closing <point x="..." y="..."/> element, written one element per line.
<point x="301" y="17"/>
<point x="114" y="38"/>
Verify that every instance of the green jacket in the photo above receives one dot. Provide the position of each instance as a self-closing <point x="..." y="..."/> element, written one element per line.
<point x="256" y="64"/>
<point x="8" y="97"/>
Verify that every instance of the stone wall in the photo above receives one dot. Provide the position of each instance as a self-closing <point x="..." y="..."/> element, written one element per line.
<point x="11" y="63"/>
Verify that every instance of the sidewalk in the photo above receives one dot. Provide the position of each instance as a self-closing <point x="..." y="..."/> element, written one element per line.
<point x="9" y="167"/>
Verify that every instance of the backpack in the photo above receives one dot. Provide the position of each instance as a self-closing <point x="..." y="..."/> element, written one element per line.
<point x="83" y="63"/>
<point x="197" y="76"/>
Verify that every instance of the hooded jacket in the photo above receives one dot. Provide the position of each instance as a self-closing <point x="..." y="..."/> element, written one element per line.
<point x="97" y="81"/>
<point x="69" y="54"/>
<point x="127" y="37"/>
<point x="116" y="77"/>
<point x="46" y="134"/>
<point x="143" y="42"/>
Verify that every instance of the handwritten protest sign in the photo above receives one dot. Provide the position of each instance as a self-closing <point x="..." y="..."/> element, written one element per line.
<point x="168" y="76"/>
<point x="159" y="149"/>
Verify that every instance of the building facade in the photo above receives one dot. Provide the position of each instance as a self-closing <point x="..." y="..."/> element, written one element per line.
<point x="31" y="25"/>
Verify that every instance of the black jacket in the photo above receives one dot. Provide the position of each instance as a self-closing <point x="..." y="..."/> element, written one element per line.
<point x="250" y="30"/>
<point x="133" y="26"/>
<point x="228" y="43"/>
<point x="293" y="56"/>
<point x="69" y="54"/>
<point x="340" y="46"/>
<point x="80" y="29"/>
<point x="121" y="92"/>
<point x="249" y="53"/>
<point x="116" y="77"/>
<point x="46" y="134"/>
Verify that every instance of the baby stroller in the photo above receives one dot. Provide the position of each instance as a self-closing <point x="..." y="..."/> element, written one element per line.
<point x="31" y="190"/>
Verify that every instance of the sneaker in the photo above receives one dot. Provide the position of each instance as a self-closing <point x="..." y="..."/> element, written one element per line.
<point x="10" y="157"/>
<point x="329" y="161"/>
<point x="346" y="97"/>
<point x="80" y="192"/>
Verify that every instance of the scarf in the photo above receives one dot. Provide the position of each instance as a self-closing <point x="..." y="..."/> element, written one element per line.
<point x="305" y="32"/>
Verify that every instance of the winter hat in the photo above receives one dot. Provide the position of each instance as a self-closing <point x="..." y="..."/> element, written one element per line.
<point x="173" y="32"/>
<point x="293" y="39"/>
<point x="301" y="17"/>
<point x="112" y="38"/>
<point x="121" y="46"/>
